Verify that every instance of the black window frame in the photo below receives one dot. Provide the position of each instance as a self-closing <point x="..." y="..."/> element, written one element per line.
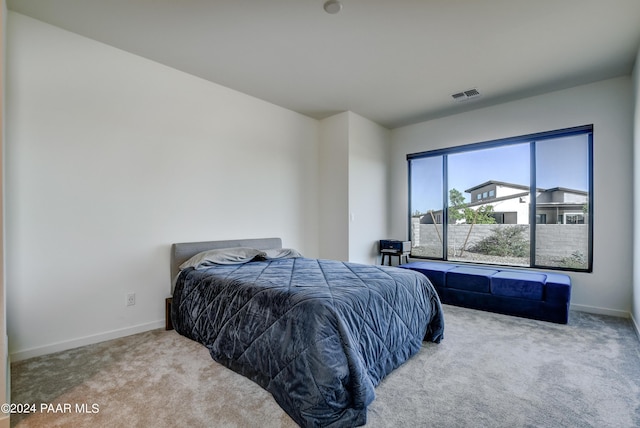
<point x="531" y="139"/>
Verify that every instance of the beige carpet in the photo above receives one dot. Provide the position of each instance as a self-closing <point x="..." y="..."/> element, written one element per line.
<point x="489" y="371"/>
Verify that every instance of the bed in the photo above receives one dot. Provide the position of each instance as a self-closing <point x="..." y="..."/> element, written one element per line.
<point x="319" y="335"/>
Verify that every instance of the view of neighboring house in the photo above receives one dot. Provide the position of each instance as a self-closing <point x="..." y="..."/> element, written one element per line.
<point x="510" y="202"/>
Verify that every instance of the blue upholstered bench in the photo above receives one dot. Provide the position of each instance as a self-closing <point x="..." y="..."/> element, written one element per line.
<point x="537" y="295"/>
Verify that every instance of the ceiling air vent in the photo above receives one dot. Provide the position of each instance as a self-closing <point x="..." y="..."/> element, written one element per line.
<point x="465" y="95"/>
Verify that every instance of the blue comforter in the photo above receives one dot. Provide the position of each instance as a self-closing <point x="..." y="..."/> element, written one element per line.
<point x="319" y="335"/>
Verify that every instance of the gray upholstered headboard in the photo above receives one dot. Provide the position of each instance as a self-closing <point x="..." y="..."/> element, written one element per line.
<point x="182" y="252"/>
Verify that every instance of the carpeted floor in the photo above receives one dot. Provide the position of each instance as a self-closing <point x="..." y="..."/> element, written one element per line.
<point x="489" y="371"/>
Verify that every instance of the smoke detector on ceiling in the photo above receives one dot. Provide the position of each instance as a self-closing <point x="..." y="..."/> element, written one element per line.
<point x="466" y="95"/>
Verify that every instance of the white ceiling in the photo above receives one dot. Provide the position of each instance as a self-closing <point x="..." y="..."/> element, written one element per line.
<point x="395" y="62"/>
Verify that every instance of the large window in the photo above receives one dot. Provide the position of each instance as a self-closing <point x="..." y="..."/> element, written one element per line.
<point x="523" y="201"/>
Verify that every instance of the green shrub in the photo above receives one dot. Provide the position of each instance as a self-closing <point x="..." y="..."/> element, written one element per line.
<point x="576" y="261"/>
<point x="504" y="241"/>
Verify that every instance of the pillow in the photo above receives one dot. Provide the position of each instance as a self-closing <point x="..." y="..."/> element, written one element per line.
<point x="223" y="256"/>
<point x="280" y="253"/>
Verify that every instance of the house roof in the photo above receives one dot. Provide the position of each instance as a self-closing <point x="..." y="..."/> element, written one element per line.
<point x="491" y="201"/>
<point x="497" y="183"/>
<point x="522" y="187"/>
<point x="566" y="189"/>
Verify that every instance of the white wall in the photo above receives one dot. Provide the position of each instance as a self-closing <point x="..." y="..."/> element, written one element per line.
<point x="368" y="188"/>
<point x="334" y="190"/>
<point x="608" y="106"/>
<point x="354" y="154"/>
<point x="635" y="313"/>
<point x="110" y="159"/>
<point x="5" y="370"/>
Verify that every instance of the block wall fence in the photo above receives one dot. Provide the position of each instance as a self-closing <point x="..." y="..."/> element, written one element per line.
<point x="552" y="240"/>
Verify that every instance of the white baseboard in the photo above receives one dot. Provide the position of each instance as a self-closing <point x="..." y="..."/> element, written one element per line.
<point x="600" y="311"/>
<point x="83" y="341"/>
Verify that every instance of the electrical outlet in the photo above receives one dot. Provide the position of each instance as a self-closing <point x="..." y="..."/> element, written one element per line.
<point x="131" y="299"/>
